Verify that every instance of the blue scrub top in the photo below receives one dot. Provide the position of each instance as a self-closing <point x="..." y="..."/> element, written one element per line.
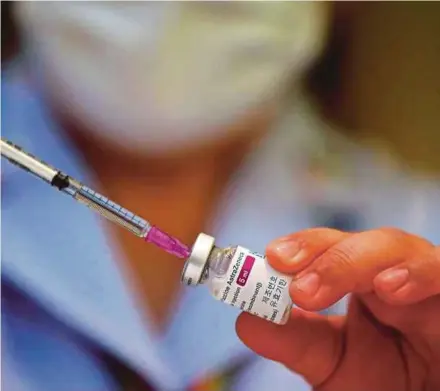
<point x="64" y="298"/>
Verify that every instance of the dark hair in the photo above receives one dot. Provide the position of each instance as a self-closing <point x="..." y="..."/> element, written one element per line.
<point x="9" y="31"/>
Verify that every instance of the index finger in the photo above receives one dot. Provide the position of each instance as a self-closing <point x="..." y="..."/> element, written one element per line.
<point x="353" y="264"/>
<point x="292" y="253"/>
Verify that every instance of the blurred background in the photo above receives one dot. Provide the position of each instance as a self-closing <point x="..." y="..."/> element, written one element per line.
<point x="246" y="121"/>
<point x="378" y="58"/>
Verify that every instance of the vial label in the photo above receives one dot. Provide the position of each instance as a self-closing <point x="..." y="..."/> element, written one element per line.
<point x="252" y="285"/>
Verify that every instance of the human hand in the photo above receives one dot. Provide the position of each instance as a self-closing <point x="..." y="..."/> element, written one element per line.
<point x="389" y="340"/>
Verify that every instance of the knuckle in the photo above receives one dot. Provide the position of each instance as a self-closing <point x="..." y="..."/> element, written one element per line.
<point x="310" y="235"/>
<point x="401" y="237"/>
<point x="393" y="232"/>
<point x="437" y="254"/>
<point x="342" y="256"/>
<point x="390" y="230"/>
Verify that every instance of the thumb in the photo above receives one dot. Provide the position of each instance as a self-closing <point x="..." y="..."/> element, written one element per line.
<point x="310" y="344"/>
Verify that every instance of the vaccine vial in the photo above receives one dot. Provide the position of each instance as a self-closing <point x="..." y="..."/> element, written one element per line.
<point x="239" y="277"/>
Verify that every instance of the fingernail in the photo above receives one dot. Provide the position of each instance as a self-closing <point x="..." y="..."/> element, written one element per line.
<point x="290" y="251"/>
<point x="391" y="280"/>
<point x="307" y="284"/>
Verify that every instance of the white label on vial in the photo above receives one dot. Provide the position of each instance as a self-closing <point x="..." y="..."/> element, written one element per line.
<point x="252" y="285"/>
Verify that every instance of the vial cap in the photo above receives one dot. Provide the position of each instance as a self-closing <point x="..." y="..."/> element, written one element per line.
<point x="196" y="263"/>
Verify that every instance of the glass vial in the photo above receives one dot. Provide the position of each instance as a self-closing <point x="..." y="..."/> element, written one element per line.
<point x="239" y="277"/>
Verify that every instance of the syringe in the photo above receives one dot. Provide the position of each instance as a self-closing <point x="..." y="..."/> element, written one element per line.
<point x="92" y="199"/>
<point x="235" y="275"/>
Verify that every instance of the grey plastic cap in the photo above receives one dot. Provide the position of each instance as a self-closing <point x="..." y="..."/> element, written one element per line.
<point x="195" y="265"/>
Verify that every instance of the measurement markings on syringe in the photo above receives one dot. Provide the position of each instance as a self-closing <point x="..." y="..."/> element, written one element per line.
<point x="116" y="208"/>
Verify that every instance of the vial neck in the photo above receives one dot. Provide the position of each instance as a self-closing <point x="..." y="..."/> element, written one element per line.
<point x="218" y="262"/>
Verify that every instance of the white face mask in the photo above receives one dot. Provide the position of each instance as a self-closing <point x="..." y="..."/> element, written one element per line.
<point x="160" y="76"/>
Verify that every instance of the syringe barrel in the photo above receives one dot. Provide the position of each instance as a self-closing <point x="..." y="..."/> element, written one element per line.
<point x="27" y="162"/>
<point x="112" y="211"/>
<point x="104" y="206"/>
